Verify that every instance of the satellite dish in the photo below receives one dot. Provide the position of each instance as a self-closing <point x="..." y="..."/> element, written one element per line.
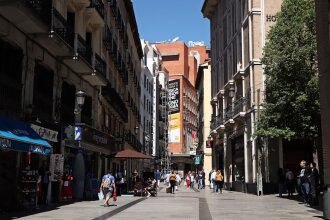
<point x="175" y="39"/>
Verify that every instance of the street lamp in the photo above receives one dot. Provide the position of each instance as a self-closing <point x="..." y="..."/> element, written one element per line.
<point x="231" y="92"/>
<point x="136" y="130"/>
<point x="80" y="99"/>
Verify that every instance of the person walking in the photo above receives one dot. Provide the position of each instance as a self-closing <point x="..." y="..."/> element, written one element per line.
<point x="305" y="172"/>
<point x="219" y="181"/>
<point x="192" y="180"/>
<point x="108" y="186"/>
<point x="172" y="181"/>
<point x="188" y="180"/>
<point x="289" y="180"/>
<point x="213" y="182"/>
<point x="178" y="181"/>
<point x="157" y="177"/>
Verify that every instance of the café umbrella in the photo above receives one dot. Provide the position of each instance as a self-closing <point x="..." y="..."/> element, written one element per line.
<point x="129" y="155"/>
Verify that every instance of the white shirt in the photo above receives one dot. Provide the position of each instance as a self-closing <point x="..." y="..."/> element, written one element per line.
<point x="213" y="175"/>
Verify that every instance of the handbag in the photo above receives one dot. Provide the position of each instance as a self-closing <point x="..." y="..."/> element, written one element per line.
<point x="100" y="195"/>
<point x="114" y="196"/>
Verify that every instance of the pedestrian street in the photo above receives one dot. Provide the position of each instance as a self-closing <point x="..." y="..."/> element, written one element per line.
<point x="184" y="204"/>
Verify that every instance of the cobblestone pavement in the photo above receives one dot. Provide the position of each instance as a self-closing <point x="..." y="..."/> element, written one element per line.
<point x="184" y="204"/>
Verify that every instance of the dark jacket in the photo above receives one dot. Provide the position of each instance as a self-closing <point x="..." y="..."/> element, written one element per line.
<point x="306" y="174"/>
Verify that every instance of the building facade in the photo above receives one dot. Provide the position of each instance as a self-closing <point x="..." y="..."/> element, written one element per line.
<point x="323" y="48"/>
<point x="238" y="33"/>
<point x="182" y="62"/>
<point x="50" y="51"/>
<point x="203" y="87"/>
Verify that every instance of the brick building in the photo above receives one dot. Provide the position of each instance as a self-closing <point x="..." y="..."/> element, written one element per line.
<point x="182" y="64"/>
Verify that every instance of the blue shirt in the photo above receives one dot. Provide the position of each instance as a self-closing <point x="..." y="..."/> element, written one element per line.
<point x="157" y="176"/>
<point x="112" y="178"/>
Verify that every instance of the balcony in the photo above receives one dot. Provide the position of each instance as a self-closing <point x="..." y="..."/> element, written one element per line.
<point x="228" y="113"/>
<point x="113" y="7"/>
<point x="216" y="122"/>
<point x="107" y="38"/>
<point x="98" y="76"/>
<point x="111" y="95"/>
<point x="82" y="61"/>
<point x="31" y="16"/>
<point x="238" y="109"/>
<point x="95" y="12"/>
<point x="40" y="18"/>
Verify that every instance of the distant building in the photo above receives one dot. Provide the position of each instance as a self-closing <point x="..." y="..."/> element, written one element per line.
<point x="203" y="87"/>
<point x="182" y="62"/>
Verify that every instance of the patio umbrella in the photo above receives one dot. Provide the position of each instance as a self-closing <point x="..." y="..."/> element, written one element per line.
<point x="129" y="155"/>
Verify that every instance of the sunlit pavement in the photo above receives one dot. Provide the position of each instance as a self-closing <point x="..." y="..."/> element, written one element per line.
<point x="184" y="204"/>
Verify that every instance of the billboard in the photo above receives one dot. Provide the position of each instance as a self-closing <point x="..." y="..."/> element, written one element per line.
<point x="174" y="128"/>
<point x="174" y="96"/>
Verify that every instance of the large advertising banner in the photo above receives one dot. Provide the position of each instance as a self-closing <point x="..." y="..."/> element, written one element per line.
<point x="174" y="96"/>
<point x="174" y="128"/>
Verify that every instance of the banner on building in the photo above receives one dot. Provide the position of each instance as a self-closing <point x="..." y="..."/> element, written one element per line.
<point x="174" y="128"/>
<point x="174" y="96"/>
<point x="56" y="167"/>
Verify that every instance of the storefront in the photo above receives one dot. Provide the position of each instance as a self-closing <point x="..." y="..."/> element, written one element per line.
<point x="85" y="159"/>
<point x="21" y="150"/>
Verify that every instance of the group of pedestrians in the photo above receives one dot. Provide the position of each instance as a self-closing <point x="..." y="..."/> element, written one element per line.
<point x="307" y="182"/>
<point x="216" y="180"/>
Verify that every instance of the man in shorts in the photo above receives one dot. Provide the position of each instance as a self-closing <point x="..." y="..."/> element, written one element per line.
<point x="108" y="187"/>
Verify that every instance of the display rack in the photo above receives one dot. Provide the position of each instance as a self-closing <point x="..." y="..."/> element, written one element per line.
<point x="29" y="188"/>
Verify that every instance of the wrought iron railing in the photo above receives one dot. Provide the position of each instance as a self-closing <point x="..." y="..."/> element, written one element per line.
<point x="228" y="113"/>
<point x="84" y="50"/>
<point x="111" y="95"/>
<point x="41" y="7"/>
<point x="107" y="37"/>
<point x="61" y="27"/>
<point x="99" y="6"/>
<point x="100" y="65"/>
<point x="238" y="105"/>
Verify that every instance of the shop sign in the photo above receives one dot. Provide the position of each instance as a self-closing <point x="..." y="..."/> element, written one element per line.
<point x="95" y="137"/>
<point x="197" y="160"/>
<point x="208" y="144"/>
<point x="5" y="143"/>
<point x="45" y="133"/>
<point x="37" y="149"/>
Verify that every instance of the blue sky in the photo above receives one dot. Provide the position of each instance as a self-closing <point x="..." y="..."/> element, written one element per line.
<point x="163" y="20"/>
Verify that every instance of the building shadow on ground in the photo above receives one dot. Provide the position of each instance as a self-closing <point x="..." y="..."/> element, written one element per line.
<point x="32" y="211"/>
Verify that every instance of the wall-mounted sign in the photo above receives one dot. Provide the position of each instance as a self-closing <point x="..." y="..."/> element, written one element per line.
<point x="56" y="167"/>
<point x="174" y="121"/>
<point x="271" y="18"/>
<point x="174" y="96"/>
<point x="195" y="43"/>
<point x="45" y="133"/>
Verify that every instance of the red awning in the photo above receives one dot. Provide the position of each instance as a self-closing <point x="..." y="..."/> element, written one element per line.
<point x="131" y="154"/>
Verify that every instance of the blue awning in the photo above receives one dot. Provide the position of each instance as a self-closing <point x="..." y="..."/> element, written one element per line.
<point x="19" y="136"/>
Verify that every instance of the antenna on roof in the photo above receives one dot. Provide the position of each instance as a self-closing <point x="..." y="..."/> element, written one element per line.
<point x="175" y="39"/>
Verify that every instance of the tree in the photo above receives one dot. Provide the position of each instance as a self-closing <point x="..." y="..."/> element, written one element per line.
<point x="291" y="107"/>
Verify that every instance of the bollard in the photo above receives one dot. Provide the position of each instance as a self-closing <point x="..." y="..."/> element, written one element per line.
<point x="326" y="202"/>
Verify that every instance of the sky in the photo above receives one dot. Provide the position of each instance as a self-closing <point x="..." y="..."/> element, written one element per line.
<point x="165" y="20"/>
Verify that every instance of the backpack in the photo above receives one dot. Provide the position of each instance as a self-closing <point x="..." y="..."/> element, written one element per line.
<point x="107" y="182"/>
<point x="172" y="178"/>
<point x="218" y="177"/>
